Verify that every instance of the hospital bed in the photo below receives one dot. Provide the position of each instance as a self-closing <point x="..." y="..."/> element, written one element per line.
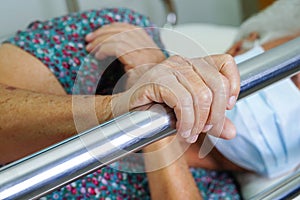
<point x="75" y="157"/>
<point x="69" y="160"/>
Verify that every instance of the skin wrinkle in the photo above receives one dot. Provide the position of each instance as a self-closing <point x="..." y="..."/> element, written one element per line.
<point x="194" y="99"/>
<point x="120" y="41"/>
<point x="186" y="100"/>
<point x="10" y="88"/>
<point x="214" y="89"/>
<point x="163" y="82"/>
<point x="229" y="61"/>
<point x="206" y="96"/>
<point x="107" y="100"/>
<point x="55" y="117"/>
<point x="181" y="79"/>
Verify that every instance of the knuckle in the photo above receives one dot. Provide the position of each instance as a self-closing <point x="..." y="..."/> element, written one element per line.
<point x="176" y="62"/>
<point x="176" y="58"/>
<point x="184" y="101"/>
<point x="205" y="96"/>
<point x="226" y="83"/>
<point x="229" y="60"/>
<point x="228" y="57"/>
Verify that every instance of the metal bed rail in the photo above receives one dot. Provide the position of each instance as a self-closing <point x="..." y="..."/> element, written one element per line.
<point x="71" y="159"/>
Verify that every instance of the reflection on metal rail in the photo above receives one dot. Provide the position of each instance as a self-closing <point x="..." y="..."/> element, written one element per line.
<point x="71" y="159"/>
<point x="269" y="67"/>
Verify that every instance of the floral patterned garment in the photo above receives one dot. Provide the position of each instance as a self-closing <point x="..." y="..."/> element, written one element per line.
<point x="59" y="43"/>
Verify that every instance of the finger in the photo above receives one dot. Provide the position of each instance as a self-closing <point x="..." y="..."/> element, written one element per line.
<point x="182" y="105"/>
<point x="135" y="37"/>
<point x="201" y="94"/>
<point x="226" y="65"/>
<point x="135" y="74"/>
<point x="109" y="29"/>
<point x="180" y="99"/>
<point x="99" y="40"/>
<point x="166" y="89"/>
<point x="202" y="99"/>
<point x="106" y="49"/>
<point x="229" y="130"/>
<point x="124" y="52"/>
<point x="106" y="29"/>
<point x="138" y="37"/>
<point x="219" y="88"/>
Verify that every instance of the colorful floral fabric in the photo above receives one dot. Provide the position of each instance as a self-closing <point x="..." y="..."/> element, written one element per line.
<point x="59" y="43"/>
<point x="111" y="184"/>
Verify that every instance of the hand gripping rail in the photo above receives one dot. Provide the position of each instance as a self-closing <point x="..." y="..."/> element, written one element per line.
<point x="40" y="173"/>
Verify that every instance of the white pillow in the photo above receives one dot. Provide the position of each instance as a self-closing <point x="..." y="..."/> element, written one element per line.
<point x="213" y="39"/>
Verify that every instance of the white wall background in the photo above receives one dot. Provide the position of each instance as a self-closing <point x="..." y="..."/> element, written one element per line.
<point x="226" y="12"/>
<point x="152" y="8"/>
<point x="17" y="14"/>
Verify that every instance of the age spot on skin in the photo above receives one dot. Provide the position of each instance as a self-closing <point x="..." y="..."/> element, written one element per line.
<point x="10" y="88"/>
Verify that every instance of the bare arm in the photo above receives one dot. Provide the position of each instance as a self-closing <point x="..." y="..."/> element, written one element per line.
<point x="173" y="181"/>
<point x="30" y="121"/>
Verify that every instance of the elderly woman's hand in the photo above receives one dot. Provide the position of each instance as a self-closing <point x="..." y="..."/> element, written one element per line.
<point x="130" y="44"/>
<point x="199" y="90"/>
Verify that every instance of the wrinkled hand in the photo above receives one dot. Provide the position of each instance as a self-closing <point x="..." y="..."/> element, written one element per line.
<point x="130" y="44"/>
<point x="199" y="90"/>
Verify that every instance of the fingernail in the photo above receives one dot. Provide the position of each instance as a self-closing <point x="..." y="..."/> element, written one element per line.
<point x="207" y="128"/>
<point x="232" y="101"/>
<point x="192" y="139"/>
<point x="186" y="134"/>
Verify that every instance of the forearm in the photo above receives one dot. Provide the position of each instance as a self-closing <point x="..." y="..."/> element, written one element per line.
<point x="30" y="121"/>
<point x="173" y="181"/>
